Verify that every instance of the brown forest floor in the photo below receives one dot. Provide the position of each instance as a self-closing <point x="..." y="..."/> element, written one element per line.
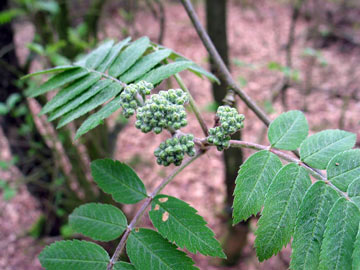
<point x="256" y="36"/>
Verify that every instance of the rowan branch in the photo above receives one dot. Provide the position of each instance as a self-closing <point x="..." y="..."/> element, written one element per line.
<point x="223" y="70"/>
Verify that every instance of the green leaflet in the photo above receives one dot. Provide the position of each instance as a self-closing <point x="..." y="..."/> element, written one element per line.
<point x="354" y="191"/>
<point x="94" y="59"/>
<point x="339" y="237"/>
<point x="354" y="188"/>
<point x="103" y="222"/>
<point x="159" y="74"/>
<point x="105" y="94"/>
<point x="129" y="56"/>
<point x="196" y="69"/>
<point x="310" y="226"/>
<point x="70" y="92"/>
<point x="58" y="80"/>
<point x="344" y="168"/>
<point x="50" y="70"/>
<point x="145" y="64"/>
<point x="356" y="253"/>
<point x="123" y="266"/>
<point x="178" y="222"/>
<point x="252" y="184"/>
<point x="97" y="118"/>
<point x="119" y="180"/>
<point x="282" y="203"/>
<point x="318" y="149"/>
<point x="147" y="250"/>
<point x="199" y="71"/>
<point x="79" y="100"/>
<point x="75" y="254"/>
<point x="110" y="58"/>
<point x="288" y="130"/>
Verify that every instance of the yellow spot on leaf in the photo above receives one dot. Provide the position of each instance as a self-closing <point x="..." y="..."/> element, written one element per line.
<point x="163" y="199"/>
<point x="157" y="207"/>
<point x="165" y="216"/>
<point x="137" y="230"/>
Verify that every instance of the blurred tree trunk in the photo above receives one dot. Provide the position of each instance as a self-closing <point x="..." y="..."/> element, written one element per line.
<point x="19" y="144"/>
<point x="92" y="18"/>
<point x="10" y="72"/>
<point x="216" y="16"/>
<point x="62" y="25"/>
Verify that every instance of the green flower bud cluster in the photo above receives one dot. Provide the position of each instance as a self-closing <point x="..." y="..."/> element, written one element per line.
<point x="174" y="149"/>
<point x="230" y="122"/>
<point x="129" y="101"/>
<point x="163" y="110"/>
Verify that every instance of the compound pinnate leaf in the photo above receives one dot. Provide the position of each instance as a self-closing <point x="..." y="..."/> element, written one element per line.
<point x="58" y="80"/>
<point x="319" y="149"/>
<point x="75" y="254"/>
<point x="129" y="56"/>
<point x="161" y="73"/>
<point x="68" y="93"/>
<point x="50" y="70"/>
<point x="178" y="222"/>
<point x="252" y="184"/>
<point x="123" y="266"/>
<point x="103" y="222"/>
<point x="95" y="58"/>
<point x="339" y="237"/>
<point x="344" y="168"/>
<point x="79" y="100"/>
<point x="105" y="94"/>
<point x="119" y="180"/>
<point x="110" y="58"/>
<point x="148" y="250"/>
<point x="145" y="64"/>
<point x="97" y="118"/>
<point x="310" y="226"/>
<point x="288" y="130"/>
<point x="282" y="203"/>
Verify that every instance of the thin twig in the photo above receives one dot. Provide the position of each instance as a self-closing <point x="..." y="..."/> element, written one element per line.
<point x="145" y="205"/>
<point x="289" y="48"/>
<point x="223" y="70"/>
<point x="104" y="75"/>
<point x="193" y="105"/>
<point x="162" y="20"/>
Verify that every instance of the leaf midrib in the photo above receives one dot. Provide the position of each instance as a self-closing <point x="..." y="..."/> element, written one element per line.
<point x="326" y="147"/>
<point x="285" y="210"/>
<point x="316" y="219"/>
<point x="288" y="130"/>
<point x="97" y="220"/>
<point x="120" y="182"/>
<point x="345" y="172"/>
<point x="256" y="184"/>
<point x="150" y="251"/>
<point x="73" y="260"/>
<point x="342" y="238"/>
<point x="196" y="236"/>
